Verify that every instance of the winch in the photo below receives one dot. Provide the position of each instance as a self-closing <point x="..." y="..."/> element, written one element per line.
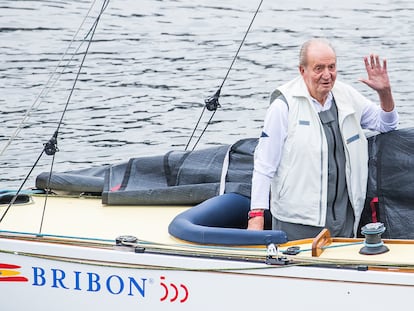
<point x="373" y="243"/>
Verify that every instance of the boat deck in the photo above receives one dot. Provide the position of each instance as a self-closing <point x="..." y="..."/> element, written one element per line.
<point x="86" y="218"/>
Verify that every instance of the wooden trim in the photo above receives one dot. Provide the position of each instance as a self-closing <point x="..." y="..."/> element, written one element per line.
<point x="321" y="240"/>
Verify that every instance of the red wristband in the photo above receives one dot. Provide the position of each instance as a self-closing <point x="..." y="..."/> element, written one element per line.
<point x="255" y="213"/>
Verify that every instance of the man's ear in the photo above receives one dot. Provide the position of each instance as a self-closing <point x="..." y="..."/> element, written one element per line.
<point x="301" y="69"/>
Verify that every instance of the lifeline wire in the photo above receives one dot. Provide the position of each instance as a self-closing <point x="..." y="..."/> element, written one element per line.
<point x="212" y="103"/>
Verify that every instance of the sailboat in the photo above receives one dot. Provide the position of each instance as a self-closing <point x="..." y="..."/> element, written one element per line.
<point x="169" y="232"/>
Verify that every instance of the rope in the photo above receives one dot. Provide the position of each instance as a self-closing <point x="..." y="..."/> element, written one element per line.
<point x="212" y="103"/>
<point x="325" y="247"/>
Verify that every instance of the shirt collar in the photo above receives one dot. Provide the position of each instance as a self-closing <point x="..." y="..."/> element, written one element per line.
<point x="326" y="106"/>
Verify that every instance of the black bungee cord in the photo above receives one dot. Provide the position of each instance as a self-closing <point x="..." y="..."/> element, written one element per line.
<point x="50" y="147"/>
<point x="212" y="102"/>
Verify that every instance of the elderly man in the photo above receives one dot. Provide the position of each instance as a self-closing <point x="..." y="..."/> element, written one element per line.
<point x="311" y="162"/>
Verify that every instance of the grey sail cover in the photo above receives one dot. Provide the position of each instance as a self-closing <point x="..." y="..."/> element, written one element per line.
<point x="178" y="177"/>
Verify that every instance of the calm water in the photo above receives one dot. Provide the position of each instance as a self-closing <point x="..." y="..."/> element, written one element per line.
<point x="152" y="64"/>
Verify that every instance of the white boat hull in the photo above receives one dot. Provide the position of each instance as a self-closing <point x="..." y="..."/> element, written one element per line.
<point x="66" y="277"/>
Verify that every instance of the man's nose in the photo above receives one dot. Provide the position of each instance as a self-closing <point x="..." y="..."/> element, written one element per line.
<point x="326" y="74"/>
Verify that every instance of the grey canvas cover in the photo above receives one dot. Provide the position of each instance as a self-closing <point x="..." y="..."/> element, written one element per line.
<point x="391" y="183"/>
<point x="178" y="177"/>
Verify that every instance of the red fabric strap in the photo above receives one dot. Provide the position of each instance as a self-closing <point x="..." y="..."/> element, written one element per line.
<point x="255" y="213"/>
<point x="374" y="209"/>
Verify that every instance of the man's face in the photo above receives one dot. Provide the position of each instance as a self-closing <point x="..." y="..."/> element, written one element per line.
<point x="320" y="72"/>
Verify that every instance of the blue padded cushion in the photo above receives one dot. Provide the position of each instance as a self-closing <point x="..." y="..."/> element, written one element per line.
<point x="222" y="220"/>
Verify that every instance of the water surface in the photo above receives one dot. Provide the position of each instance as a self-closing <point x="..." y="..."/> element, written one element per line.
<point x="152" y="64"/>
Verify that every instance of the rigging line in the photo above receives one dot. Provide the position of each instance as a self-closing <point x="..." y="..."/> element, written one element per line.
<point x="241" y="43"/>
<point x="95" y="24"/>
<point x="212" y="103"/>
<point x="50" y="147"/>
<point x="204" y="129"/>
<point x="92" y="33"/>
<point x="195" y="128"/>
<point x="44" y="92"/>
<point x="20" y="188"/>
<point x="52" y="144"/>
<point x="47" y="192"/>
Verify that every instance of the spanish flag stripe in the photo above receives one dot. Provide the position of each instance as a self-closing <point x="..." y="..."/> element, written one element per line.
<point x="14" y="279"/>
<point x="8" y="266"/>
<point x="8" y="273"/>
